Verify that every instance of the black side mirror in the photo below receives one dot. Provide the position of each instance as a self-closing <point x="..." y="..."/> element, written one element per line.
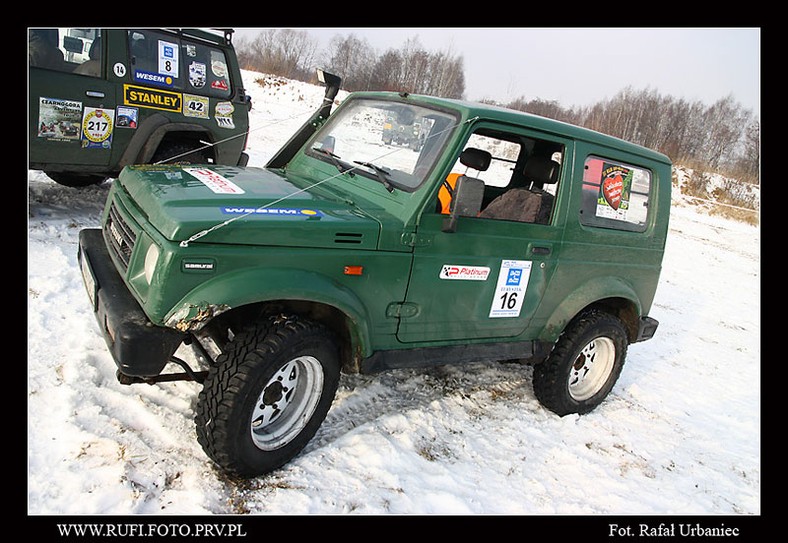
<point x="466" y="201"/>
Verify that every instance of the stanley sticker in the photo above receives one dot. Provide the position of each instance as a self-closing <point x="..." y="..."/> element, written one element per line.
<point x="152" y="98"/>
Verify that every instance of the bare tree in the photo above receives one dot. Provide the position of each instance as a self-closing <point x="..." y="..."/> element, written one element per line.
<point x="725" y="121"/>
<point x="285" y="52"/>
<point x="352" y="59"/>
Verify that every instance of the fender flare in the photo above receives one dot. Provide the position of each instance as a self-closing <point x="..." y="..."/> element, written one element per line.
<point x="221" y="293"/>
<point x="149" y="135"/>
<point x="593" y="291"/>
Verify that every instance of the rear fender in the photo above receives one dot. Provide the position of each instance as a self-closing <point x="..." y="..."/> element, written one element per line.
<point x="599" y="290"/>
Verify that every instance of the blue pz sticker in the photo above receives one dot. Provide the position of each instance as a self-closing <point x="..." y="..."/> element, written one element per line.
<point x="515" y="274"/>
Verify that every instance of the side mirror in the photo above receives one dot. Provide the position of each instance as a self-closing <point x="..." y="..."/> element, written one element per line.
<point x="465" y="202"/>
<point x="328" y="144"/>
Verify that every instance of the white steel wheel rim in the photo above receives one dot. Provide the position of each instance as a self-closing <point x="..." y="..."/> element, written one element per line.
<point x="592" y="368"/>
<point x="287" y="402"/>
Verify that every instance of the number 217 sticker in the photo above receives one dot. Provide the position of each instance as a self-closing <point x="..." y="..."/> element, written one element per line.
<point x="510" y="290"/>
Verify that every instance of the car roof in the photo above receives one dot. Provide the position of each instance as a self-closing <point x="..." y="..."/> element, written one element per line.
<point x="470" y="110"/>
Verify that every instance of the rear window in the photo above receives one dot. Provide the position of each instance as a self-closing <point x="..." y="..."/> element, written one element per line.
<point x="163" y="60"/>
<point x="615" y="195"/>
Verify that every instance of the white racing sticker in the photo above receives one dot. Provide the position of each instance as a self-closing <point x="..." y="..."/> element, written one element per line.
<point x="510" y="290"/>
<point x="214" y="181"/>
<point x="464" y="273"/>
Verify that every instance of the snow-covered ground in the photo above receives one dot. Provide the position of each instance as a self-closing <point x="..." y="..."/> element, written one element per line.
<point x="679" y="435"/>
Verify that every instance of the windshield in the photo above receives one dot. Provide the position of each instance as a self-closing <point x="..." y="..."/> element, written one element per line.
<point x="390" y="142"/>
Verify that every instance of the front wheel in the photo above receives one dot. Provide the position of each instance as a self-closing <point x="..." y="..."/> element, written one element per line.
<point x="267" y="395"/>
<point x="584" y="365"/>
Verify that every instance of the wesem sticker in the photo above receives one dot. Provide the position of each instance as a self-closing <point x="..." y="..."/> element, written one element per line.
<point x="278" y="211"/>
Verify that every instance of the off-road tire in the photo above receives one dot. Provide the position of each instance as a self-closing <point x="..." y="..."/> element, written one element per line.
<point x="76" y="180"/>
<point x="584" y="365"/>
<point x="283" y="368"/>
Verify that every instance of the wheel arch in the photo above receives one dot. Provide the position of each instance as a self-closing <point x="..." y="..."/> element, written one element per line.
<point x="270" y="291"/>
<point x="158" y="129"/>
<point x="611" y="295"/>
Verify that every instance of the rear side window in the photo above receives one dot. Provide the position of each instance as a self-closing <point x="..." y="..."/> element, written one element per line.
<point x="75" y="50"/>
<point x="167" y="61"/>
<point x="615" y="195"/>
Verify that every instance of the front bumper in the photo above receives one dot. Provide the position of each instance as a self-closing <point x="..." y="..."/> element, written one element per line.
<point x="140" y="348"/>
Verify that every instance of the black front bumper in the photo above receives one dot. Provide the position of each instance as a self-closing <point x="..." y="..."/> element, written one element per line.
<point x="140" y="348"/>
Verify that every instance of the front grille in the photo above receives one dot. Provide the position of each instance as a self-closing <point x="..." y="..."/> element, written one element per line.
<point x="120" y="236"/>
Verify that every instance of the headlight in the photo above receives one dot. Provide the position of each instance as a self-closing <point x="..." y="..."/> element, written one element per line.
<point x="151" y="257"/>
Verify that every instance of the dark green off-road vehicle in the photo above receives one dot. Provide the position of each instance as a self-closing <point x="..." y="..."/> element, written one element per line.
<point x="102" y="99"/>
<point x="506" y="237"/>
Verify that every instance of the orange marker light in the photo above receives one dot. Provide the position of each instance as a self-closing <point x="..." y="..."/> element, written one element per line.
<point x="354" y="270"/>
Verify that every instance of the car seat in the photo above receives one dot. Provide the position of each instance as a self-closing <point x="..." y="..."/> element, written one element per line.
<point x="471" y="158"/>
<point x="92" y="66"/>
<point x="532" y="204"/>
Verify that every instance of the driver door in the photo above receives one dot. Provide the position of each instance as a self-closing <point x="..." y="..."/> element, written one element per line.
<point x="486" y="279"/>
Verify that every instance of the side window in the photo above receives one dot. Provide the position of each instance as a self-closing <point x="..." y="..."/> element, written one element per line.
<point x="615" y="195"/>
<point x="167" y="61"/>
<point x="520" y="175"/>
<point x="76" y="50"/>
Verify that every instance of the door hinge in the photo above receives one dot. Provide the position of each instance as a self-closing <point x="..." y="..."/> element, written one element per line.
<point x="402" y="310"/>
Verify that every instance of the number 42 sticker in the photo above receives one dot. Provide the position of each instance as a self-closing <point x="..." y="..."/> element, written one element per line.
<point x="510" y="290"/>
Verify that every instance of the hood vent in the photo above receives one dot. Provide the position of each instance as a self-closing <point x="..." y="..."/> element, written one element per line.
<point x="348" y="238"/>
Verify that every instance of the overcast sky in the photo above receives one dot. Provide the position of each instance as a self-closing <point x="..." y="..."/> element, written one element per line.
<point x="580" y="66"/>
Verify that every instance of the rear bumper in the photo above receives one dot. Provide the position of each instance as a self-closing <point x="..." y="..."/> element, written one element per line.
<point x="646" y="329"/>
<point x="140" y="348"/>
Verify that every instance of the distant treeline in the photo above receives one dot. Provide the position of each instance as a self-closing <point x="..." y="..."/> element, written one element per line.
<point x="723" y="137"/>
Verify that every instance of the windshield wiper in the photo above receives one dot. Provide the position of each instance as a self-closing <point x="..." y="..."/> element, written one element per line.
<point x="382" y="173"/>
<point x="335" y="161"/>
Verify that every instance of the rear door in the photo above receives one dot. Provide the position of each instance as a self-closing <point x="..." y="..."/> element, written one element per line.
<point x="71" y="104"/>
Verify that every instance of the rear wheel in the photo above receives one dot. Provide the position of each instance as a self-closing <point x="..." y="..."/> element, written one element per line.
<point x="267" y="395"/>
<point x="76" y="180"/>
<point x="584" y="365"/>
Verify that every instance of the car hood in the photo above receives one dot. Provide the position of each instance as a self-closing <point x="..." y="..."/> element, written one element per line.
<point x="250" y="206"/>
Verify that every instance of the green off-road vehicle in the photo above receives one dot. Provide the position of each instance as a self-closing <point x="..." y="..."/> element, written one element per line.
<point x="506" y="237"/>
<point x="101" y="99"/>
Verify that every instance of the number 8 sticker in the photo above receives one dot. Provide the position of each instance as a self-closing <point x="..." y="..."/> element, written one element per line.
<point x="510" y="290"/>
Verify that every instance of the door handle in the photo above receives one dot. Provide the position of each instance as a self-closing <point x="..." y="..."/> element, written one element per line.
<point x="540" y="250"/>
<point x="94" y="94"/>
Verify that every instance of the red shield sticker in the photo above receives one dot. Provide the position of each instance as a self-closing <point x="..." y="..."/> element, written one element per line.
<point x="612" y="188"/>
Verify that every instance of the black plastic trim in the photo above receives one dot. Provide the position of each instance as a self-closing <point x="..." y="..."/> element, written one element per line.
<point x="531" y="351"/>
<point x="138" y="347"/>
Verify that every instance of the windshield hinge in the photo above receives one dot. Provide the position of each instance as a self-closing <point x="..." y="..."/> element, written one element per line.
<point x="414" y="239"/>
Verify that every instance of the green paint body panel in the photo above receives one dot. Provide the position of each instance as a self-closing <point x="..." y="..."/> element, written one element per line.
<point x="312" y="233"/>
